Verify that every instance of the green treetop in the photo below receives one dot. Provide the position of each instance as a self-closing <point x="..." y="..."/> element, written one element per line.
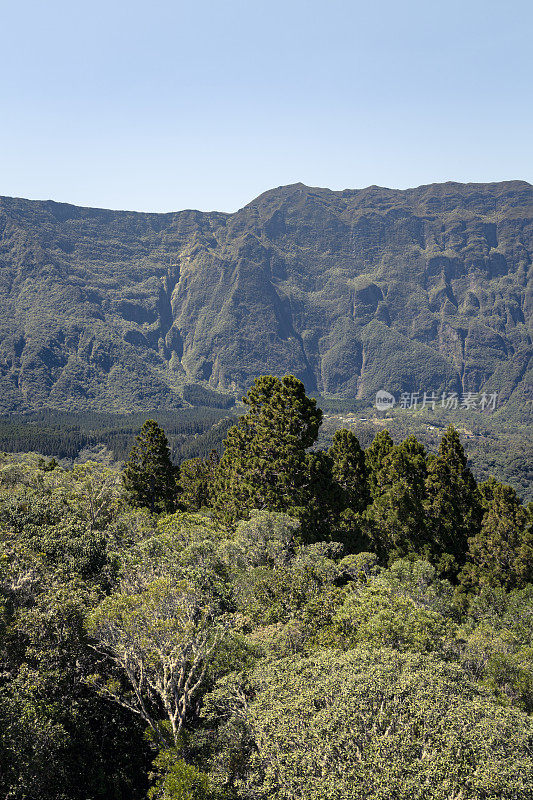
<point x="264" y="463"/>
<point x="453" y="503"/>
<point x="374" y="455"/>
<point x="149" y="476"/>
<point x="380" y="724"/>
<point x="501" y="554"/>
<point x="396" y="518"/>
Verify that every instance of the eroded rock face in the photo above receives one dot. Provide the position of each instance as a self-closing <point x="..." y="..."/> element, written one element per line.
<point x="352" y="291"/>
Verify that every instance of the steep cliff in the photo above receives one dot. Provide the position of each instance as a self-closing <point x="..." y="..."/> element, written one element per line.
<point x="353" y="291"/>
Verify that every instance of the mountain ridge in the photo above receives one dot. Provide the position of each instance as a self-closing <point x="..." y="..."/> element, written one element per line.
<point x="364" y="189"/>
<point x="351" y="290"/>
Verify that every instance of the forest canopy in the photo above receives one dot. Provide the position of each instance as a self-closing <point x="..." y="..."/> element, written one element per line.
<point x="280" y="621"/>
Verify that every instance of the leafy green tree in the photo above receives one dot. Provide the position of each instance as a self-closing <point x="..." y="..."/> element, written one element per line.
<point x="264" y="464"/>
<point x="149" y="475"/>
<point x="453" y="504"/>
<point x="53" y="538"/>
<point x="266" y="539"/>
<point x="273" y="575"/>
<point x="375" y="723"/>
<point x="177" y="780"/>
<point x="405" y="607"/>
<point x="497" y="643"/>
<point x="162" y="638"/>
<point x="58" y="739"/>
<point x="163" y="625"/>
<point x="92" y="491"/>
<point x="501" y="554"/>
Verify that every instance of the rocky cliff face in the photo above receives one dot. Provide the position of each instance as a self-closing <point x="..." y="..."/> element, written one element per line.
<point x="429" y="288"/>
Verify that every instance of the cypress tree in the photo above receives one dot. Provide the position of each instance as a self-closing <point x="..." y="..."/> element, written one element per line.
<point x="319" y="501"/>
<point x="196" y="478"/>
<point x="453" y="504"/>
<point x="351" y="490"/>
<point x="349" y="470"/>
<point x="486" y="492"/>
<point x="501" y="553"/>
<point x="149" y="476"/>
<point x="374" y="457"/>
<point x="396" y="519"/>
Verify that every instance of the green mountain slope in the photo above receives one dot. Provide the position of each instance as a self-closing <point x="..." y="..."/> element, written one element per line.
<point x="424" y="289"/>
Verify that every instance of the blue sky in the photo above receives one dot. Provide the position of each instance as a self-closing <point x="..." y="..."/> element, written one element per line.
<point x="167" y="105"/>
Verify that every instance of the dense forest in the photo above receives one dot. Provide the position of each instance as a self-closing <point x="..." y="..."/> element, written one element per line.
<point x="274" y="620"/>
<point x="499" y="443"/>
<point x="82" y="436"/>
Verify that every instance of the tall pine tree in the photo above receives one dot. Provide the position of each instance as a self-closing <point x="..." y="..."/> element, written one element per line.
<point x="349" y="470"/>
<point x="264" y="464"/>
<point x="149" y="476"/>
<point x="196" y="478"/>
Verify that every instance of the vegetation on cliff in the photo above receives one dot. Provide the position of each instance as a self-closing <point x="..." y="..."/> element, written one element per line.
<point x="420" y="290"/>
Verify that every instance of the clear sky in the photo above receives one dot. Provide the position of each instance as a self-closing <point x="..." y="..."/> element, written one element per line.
<point x="160" y="106"/>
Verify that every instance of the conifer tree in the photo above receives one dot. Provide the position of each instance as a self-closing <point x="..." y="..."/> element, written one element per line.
<point x="264" y="464"/>
<point x="374" y="456"/>
<point x="350" y="490"/>
<point x="486" y="492"/>
<point x="321" y="506"/>
<point x="396" y="518"/>
<point x="453" y="504"/>
<point x="196" y="479"/>
<point x="349" y="470"/>
<point x="501" y="554"/>
<point x="149" y="476"/>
